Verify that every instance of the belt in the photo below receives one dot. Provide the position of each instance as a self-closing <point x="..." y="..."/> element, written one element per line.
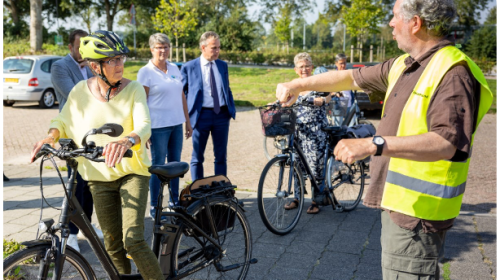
<point x="211" y="108"/>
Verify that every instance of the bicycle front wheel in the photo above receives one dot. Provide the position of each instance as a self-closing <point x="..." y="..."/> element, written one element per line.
<point x="25" y="264"/>
<point x="193" y="251"/>
<point x="276" y="191"/>
<point x="346" y="182"/>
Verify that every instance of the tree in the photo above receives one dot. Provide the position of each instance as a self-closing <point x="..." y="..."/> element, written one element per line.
<point x="333" y="9"/>
<point x="362" y="18"/>
<point x="492" y="16"/>
<point x="272" y="9"/>
<point x="282" y="24"/>
<point x="17" y="9"/>
<point x="469" y="11"/>
<point x="175" y="17"/>
<point x="36" y="26"/>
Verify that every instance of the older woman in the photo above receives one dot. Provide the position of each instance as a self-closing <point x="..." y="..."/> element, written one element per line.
<point x="168" y="108"/>
<point x="310" y="120"/>
<point x="120" y="191"/>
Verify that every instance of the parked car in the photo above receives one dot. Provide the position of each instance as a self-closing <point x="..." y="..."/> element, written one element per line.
<point x="365" y="101"/>
<point x="27" y="78"/>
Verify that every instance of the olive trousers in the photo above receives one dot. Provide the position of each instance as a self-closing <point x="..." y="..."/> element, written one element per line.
<point x="410" y="254"/>
<point x="120" y="206"/>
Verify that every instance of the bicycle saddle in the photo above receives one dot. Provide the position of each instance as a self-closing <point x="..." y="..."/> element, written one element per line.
<point x="170" y="170"/>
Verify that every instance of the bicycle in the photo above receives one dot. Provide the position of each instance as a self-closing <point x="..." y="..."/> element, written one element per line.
<point x="345" y="183"/>
<point x="350" y="117"/>
<point x="191" y="248"/>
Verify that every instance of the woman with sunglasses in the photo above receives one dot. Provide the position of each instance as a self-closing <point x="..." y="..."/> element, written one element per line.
<point x="119" y="189"/>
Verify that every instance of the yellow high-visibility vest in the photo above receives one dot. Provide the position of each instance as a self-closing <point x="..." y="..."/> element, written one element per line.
<point x="429" y="190"/>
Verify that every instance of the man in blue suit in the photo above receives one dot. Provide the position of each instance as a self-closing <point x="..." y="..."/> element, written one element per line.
<point x="210" y="104"/>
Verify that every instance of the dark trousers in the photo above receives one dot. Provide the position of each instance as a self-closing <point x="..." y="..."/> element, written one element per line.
<point x="218" y="126"/>
<point x="84" y="197"/>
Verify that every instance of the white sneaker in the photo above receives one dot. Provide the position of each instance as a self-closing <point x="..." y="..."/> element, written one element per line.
<point x="73" y="242"/>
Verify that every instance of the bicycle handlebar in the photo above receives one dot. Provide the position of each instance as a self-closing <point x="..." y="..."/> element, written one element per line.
<point x="89" y="153"/>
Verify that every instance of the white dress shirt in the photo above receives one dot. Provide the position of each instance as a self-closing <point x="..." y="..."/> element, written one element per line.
<point x="208" y="100"/>
<point x="82" y="69"/>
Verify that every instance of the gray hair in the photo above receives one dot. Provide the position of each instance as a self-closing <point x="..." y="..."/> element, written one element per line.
<point x="302" y="56"/>
<point x="158" y="38"/>
<point x="437" y="15"/>
<point x="207" y="35"/>
<point x="339" y="57"/>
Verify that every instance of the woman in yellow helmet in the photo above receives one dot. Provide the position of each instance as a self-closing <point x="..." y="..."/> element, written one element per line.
<point x="120" y="191"/>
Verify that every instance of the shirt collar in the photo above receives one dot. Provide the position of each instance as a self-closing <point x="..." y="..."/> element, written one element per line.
<point x="74" y="61"/>
<point x="448" y="41"/>
<point x="204" y="61"/>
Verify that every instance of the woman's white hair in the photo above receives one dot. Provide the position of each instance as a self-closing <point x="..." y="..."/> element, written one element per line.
<point x="437" y="15"/>
<point x="158" y="38"/>
<point x="302" y="56"/>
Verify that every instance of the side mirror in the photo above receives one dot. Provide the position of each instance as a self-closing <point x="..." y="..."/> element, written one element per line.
<point x="110" y="129"/>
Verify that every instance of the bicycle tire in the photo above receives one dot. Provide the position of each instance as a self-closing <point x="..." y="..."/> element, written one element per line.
<point x="24" y="264"/>
<point x="191" y="249"/>
<point x="364" y="121"/>
<point x="271" y="203"/>
<point x="346" y="185"/>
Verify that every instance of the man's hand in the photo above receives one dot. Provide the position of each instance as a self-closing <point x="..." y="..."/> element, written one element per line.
<point x="350" y="150"/>
<point x="189" y="130"/>
<point x="286" y="95"/>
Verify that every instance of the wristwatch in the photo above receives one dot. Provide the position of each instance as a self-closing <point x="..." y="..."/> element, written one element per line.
<point x="379" y="142"/>
<point x="131" y="140"/>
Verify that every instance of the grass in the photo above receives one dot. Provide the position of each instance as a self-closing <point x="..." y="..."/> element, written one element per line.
<point x="10" y="247"/>
<point x="257" y="86"/>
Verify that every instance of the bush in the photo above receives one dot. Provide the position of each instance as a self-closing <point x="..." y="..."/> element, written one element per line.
<point x="10" y="247"/>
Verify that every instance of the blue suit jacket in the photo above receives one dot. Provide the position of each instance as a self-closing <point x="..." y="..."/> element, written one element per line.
<point x="65" y="75"/>
<point x="193" y="88"/>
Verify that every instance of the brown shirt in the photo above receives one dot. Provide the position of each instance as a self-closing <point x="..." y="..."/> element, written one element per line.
<point x="451" y="114"/>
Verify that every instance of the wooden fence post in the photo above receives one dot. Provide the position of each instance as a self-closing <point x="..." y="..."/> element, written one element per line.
<point x="371" y="53"/>
<point x="184" y="52"/>
<point x="352" y="53"/>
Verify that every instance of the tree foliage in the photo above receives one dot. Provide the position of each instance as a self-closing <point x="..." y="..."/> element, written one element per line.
<point x="282" y="23"/>
<point x="362" y="17"/>
<point x="469" y="11"/>
<point x="272" y="9"/>
<point x="483" y="43"/>
<point x="492" y="16"/>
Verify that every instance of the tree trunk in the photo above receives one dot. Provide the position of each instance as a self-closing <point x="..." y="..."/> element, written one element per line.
<point x="111" y="10"/>
<point x="176" y="49"/>
<point x="13" y="11"/>
<point x="36" y="27"/>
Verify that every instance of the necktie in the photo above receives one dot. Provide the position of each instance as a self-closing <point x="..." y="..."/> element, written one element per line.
<point x="213" y="87"/>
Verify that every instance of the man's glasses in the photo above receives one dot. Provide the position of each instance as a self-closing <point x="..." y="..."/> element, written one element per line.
<point x="305" y="67"/>
<point x="162" y="48"/>
<point x="113" y="62"/>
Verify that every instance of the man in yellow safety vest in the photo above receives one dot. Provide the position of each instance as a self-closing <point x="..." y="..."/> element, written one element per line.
<point x="435" y="99"/>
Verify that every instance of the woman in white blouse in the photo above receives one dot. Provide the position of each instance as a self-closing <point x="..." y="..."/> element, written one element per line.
<point x="168" y="108"/>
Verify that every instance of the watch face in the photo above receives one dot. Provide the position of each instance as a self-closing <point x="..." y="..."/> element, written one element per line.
<point x="378" y="140"/>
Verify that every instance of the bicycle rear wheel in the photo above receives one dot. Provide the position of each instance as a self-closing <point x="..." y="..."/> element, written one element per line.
<point x="276" y="191"/>
<point x="25" y="264"/>
<point x="346" y="182"/>
<point x="192" y="249"/>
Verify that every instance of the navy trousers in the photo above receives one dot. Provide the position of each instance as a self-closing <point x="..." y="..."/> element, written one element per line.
<point x="84" y="197"/>
<point x="218" y="126"/>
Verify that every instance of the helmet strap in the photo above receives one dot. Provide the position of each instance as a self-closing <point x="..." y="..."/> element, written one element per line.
<point x="111" y="87"/>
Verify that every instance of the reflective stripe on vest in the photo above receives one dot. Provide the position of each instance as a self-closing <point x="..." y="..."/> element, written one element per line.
<point x="429" y="190"/>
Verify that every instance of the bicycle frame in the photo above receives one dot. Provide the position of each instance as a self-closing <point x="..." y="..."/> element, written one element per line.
<point x="300" y="153"/>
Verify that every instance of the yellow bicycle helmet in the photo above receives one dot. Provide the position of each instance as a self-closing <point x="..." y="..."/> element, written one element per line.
<point x="99" y="45"/>
<point x="102" y="44"/>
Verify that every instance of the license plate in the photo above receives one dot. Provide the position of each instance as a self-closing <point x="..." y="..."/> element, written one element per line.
<point x="11" y="80"/>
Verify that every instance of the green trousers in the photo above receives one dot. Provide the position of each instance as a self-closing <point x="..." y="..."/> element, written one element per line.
<point x="120" y="206"/>
<point x="410" y="254"/>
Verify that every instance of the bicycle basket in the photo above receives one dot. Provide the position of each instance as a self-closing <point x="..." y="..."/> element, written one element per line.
<point x="277" y="121"/>
<point x="224" y="217"/>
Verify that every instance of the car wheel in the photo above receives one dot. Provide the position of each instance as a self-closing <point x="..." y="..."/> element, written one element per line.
<point x="8" y="103"/>
<point x="48" y="99"/>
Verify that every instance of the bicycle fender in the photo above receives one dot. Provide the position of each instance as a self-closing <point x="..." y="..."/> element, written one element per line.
<point x="33" y="243"/>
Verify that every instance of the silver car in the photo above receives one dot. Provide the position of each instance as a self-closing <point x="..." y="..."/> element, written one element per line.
<point x="27" y="78"/>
